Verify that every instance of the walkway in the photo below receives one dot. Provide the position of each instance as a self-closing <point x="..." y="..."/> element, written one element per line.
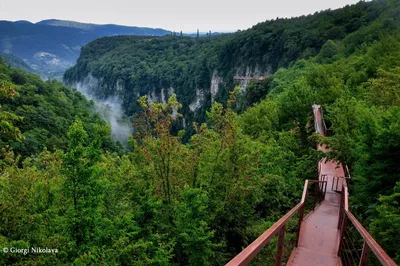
<point x="319" y="239"/>
<point x="319" y="236"/>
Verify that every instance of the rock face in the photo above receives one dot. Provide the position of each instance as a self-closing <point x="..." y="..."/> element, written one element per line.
<point x="159" y="97"/>
<point x="94" y="87"/>
<point x="194" y="106"/>
<point x="116" y="100"/>
<point x="214" y="88"/>
<point x="250" y="75"/>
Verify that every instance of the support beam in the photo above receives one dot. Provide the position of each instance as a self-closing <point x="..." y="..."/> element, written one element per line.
<point x="364" y="254"/>
<point x="279" y="251"/>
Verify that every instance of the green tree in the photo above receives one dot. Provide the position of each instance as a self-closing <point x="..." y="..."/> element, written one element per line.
<point x="386" y="225"/>
<point x="193" y="231"/>
<point x="7" y="119"/>
<point x="159" y="148"/>
<point x="82" y="185"/>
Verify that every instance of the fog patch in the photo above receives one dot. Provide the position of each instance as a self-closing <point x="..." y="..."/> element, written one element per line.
<point x="110" y="109"/>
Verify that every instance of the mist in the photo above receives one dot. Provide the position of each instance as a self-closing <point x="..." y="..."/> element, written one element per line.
<point x="110" y="109"/>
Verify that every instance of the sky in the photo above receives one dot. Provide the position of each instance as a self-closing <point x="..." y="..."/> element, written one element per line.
<point x="176" y="15"/>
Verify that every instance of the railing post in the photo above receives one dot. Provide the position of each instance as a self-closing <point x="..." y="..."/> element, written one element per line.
<point x="341" y="210"/>
<point x="301" y="216"/>
<point x="279" y="251"/>
<point x="364" y="254"/>
<point x="342" y="228"/>
<point x="337" y="183"/>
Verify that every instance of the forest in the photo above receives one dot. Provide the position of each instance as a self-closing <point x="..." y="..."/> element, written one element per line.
<point x="147" y="65"/>
<point x="65" y="184"/>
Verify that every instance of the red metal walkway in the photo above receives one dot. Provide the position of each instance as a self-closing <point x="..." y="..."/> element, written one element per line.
<point x="321" y="237"/>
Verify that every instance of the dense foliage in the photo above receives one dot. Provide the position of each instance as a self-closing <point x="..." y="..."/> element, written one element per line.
<point x="45" y="110"/>
<point x="152" y="66"/>
<point x="142" y="65"/>
<point x="360" y="94"/>
<point x="164" y="203"/>
<point x="167" y="202"/>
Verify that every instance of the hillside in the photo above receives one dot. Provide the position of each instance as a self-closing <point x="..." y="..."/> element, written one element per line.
<point x="201" y="71"/>
<point x="42" y="112"/>
<point x="200" y="201"/>
<point x="16" y="62"/>
<point x="51" y="46"/>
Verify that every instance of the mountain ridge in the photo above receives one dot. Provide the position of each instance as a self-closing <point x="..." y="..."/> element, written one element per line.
<point x="86" y="26"/>
<point x="49" y="49"/>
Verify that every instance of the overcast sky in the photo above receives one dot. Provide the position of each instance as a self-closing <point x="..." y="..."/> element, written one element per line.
<point x="186" y="15"/>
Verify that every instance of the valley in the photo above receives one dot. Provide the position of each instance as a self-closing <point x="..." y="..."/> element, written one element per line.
<point x="51" y="46"/>
<point x="166" y="149"/>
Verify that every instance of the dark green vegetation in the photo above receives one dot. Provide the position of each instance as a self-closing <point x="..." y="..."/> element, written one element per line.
<point x="200" y="203"/>
<point x="51" y="46"/>
<point x="43" y="112"/>
<point x="152" y="66"/>
<point x="164" y="203"/>
<point x="143" y="66"/>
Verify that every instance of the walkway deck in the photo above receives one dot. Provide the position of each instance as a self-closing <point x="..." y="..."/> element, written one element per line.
<point x="319" y="236"/>
<point x="319" y="239"/>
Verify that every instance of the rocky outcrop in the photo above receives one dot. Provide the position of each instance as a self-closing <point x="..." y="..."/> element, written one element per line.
<point x="194" y="106"/>
<point x="161" y="97"/>
<point x="244" y="77"/>
<point x="214" y="88"/>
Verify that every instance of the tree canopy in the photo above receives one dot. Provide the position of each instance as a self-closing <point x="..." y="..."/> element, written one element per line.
<point x="200" y="201"/>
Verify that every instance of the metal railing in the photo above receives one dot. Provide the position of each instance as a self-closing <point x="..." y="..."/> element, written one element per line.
<point x="356" y="244"/>
<point x="337" y="182"/>
<point x="279" y="228"/>
<point x="355" y="249"/>
<point x="323" y="122"/>
<point x="317" y="126"/>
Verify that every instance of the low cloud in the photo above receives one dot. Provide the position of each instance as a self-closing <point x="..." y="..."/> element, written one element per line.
<point x="110" y="109"/>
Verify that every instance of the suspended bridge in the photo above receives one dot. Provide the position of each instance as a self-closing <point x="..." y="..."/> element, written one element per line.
<point x="320" y="230"/>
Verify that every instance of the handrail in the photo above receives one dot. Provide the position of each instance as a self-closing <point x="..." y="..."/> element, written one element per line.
<point x="246" y="256"/>
<point x="316" y="125"/>
<point x="369" y="242"/>
<point x="303" y="196"/>
<point x="380" y="254"/>
<point x="346" y="170"/>
<point x="316" y="107"/>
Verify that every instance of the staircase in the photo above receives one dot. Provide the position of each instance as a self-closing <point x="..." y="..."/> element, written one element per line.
<point x="324" y="236"/>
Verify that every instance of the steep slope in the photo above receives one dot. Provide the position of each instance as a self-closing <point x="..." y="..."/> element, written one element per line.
<point x="203" y="70"/>
<point x="16" y="62"/>
<point x="44" y="111"/>
<point x="52" y="46"/>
